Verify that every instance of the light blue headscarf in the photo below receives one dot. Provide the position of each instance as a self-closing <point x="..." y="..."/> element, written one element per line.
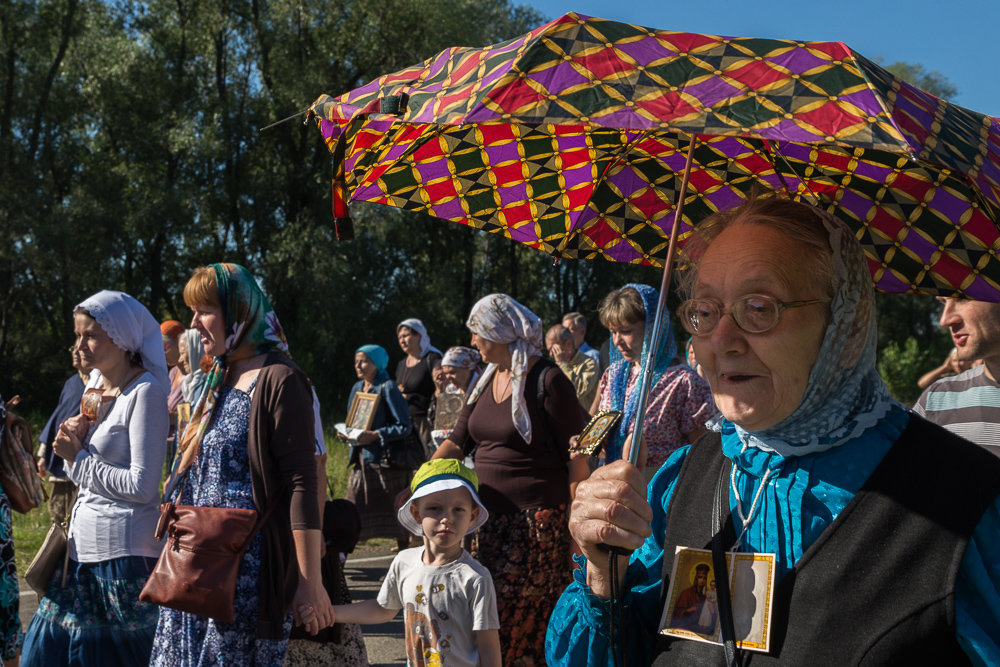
<point x="618" y="373"/>
<point x="379" y="357"/>
<point x="845" y="395"/>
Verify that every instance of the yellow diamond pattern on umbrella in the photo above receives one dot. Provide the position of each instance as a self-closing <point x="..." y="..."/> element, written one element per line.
<point x="812" y="118"/>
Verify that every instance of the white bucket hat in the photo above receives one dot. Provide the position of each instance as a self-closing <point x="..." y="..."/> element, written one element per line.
<point x="441" y="475"/>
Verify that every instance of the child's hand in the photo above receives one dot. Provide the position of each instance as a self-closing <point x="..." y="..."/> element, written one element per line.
<point x="305" y="615"/>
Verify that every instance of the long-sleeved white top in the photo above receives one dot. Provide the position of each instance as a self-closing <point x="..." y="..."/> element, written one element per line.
<point x="118" y="474"/>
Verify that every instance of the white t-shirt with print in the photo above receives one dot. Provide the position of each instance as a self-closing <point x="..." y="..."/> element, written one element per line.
<point x="443" y="606"/>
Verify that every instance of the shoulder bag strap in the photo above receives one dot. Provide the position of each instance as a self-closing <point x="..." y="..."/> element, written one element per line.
<point x="733" y="658"/>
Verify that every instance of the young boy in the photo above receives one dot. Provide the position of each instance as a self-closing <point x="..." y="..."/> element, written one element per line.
<point x="449" y="602"/>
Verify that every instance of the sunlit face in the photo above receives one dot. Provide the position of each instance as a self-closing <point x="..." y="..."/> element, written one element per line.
<point x="182" y="356"/>
<point x="78" y="362"/>
<point x="445" y="516"/>
<point x="492" y="353"/>
<point x="627" y="337"/>
<point x="559" y="350"/>
<point x="95" y="347"/>
<point x="211" y="326"/>
<point x="365" y="367"/>
<point x="409" y="341"/>
<point x="975" y="328"/>
<point x="456" y="375"/>
<point x="759" y="379"/>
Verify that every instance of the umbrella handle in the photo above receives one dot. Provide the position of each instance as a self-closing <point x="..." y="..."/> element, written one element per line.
<point x="661" y="307"/>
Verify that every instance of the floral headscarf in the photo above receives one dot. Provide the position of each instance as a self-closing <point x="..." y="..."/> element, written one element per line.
<point x="501" y="319"/>
<point x="131" y="327"/>
<point x="619" y="369"/>
<point x="845" y="394"/>
<point x="463" y="357"/>
<point x="252" y="328"/>
<point x="418" y="327"/>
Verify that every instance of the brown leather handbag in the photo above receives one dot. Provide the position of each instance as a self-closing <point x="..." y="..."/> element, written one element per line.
<point x="196" y="571"/>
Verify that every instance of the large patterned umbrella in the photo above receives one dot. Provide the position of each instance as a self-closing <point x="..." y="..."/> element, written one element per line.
<point x="572" y="139"/>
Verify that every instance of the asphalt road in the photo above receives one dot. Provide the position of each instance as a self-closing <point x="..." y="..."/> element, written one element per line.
<point x="364" y="569"/>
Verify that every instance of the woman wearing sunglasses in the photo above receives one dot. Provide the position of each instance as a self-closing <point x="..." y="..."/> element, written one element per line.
<point x="113" y="451"/>
<point x="882" y="530"/>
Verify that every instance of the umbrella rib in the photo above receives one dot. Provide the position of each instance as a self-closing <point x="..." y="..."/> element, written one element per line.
<point x="618" y="156"/>
<point x="788" y="164"/>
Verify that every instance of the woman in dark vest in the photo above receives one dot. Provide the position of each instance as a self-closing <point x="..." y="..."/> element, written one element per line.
<point x="884" y="528"/>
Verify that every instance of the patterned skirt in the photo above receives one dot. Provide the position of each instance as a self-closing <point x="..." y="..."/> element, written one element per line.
<point x="10" y="597"/>
<point x="96" y="619"/>
<point x="350" y="652"/>
<point x="374" y="493"/>
<point x="528" y="554"/>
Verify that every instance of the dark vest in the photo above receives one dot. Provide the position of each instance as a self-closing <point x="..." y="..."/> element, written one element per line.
<point x="878" y="585"/>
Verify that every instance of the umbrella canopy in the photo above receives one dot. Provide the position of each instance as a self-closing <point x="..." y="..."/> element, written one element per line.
<point x="572" y="139"/>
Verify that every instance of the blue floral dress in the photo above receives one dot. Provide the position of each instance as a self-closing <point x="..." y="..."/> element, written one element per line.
<point x="220" y="477"/>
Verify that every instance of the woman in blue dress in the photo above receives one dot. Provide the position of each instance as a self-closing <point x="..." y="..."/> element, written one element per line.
<point x="250" y="444"/>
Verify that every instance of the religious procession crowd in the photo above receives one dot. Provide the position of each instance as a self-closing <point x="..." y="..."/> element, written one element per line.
<point x="782" y="504"/>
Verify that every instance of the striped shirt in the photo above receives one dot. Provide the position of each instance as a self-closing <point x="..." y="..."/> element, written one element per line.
<point x="967" y="404"/>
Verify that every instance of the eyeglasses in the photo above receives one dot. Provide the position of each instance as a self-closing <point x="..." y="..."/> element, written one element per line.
<point x="754" y="313"/>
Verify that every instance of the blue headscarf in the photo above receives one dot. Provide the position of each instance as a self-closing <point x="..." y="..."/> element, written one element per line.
<point x="845" y="395"/>
<point x="618" y="372"/>
<point x="379" y="357"/>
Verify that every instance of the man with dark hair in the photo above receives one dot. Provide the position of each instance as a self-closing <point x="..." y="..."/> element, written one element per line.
<point x="577" y="324"/>
<point x="968" y="404"/>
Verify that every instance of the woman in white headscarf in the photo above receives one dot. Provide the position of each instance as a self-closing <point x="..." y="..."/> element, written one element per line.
<point x="517" y="425"/>
<point x="114" y="453"/>
<point x="191" y="352"/>
<point x="415" y="376"/>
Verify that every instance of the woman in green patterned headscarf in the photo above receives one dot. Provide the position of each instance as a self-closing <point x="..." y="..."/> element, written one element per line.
<point x="250" y="444"/>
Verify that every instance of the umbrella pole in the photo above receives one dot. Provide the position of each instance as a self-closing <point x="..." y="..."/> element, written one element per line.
<point x="661" y="307"/>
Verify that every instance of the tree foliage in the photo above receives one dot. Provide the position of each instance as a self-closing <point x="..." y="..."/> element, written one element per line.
<point x="132" y="152"/>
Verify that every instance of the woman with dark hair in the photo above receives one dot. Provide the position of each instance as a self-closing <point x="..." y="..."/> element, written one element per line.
<point x="881" y="529"/>
<point x="114" y="454"/>
<point x="679" y="402"/>
<point x="516" y="425"/>
<point x="372" y="487"/>
<point x="415" y="376"/>
<point x="250" y="445"/>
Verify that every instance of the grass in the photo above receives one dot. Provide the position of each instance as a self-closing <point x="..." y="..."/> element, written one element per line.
<point x="30" y="528"/>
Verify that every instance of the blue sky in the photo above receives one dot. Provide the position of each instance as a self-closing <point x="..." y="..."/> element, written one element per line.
<point x="958" y="38"/>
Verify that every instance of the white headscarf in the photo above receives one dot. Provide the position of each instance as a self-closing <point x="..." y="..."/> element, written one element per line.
<point x="191" y="384"/>
<point x="500" y="319"/>
<point x="418" y="327"/>
<point x="131" y="327"/>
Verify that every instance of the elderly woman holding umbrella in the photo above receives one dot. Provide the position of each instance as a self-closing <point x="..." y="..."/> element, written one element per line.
<point x="883" y="527"/>
<point x="517" y="425"/>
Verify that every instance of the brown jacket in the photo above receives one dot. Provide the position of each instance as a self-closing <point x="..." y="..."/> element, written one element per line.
<point x="282" y="449"/>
